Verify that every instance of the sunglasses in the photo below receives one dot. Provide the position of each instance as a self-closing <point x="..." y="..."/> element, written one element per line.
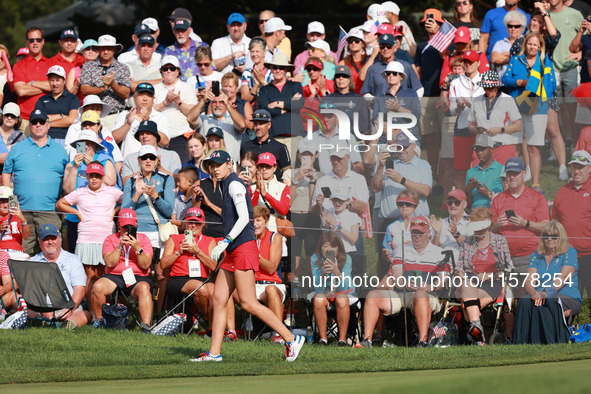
<point x="553" y="237"/>
<point x="91" y="49"/>
<point x="148" y="157"/>
<point x="145" y="87"/>
<point x="354" y="41"/>
<point x="261" y="21"/>
<point x="419" y="223"/>
<point x="392" y="73"/>
<point x="32" y="40"/>
<point x="385" y="46"/>
<point x="193" y="215"/>
<point x="462" y="3"/>
<point x="278" y="68"/>
<point x="453" y="202"/>
<point x="312" y="68"/>
<point x="203" y="64"/>
<point x="38" y="121"/>
<point x="405" y="204"/>
<point x="10" y="116"/>
<point x="514" y="26"/>
<point x="168" y="68"/>
<point x="580" y="158"/>
<point x="341" y="76"/>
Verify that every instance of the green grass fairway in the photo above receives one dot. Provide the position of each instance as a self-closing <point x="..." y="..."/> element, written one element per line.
<point x="569" y="376"/>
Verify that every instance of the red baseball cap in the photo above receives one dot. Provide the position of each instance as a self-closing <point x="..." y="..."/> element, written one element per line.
<point x="127" y="217"/>
<point x="95" y="168"/>
<point x="457" y="194"/>
<point x="420" y="223"/>
<point x="471" y="56"/>
<point x="316" y="64"/>
<point x="462" y="35"/>
<point x="385" y="28"/>
<point x="195" y="214"/>
<point x="267" y="158"/>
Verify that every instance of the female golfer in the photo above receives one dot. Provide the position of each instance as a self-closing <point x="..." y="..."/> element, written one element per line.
<point x="241" y="261"/>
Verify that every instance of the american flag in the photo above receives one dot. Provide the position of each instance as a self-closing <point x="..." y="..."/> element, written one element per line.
<point x="439" y="330"/>
<point x="443" y="37"/>
<point x="342" y="43"/>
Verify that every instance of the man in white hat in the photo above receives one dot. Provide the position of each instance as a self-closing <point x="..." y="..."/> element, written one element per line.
<point x="392" y="14"/>
<point x="572" y="209"/>
<point x="107" y="77"/>
<point x="285" y="45"/>
<point x="275" y="30"/>
<point x="315" y="32"/>
<point x="231" y="52"/>
<point x="59" y="104"/>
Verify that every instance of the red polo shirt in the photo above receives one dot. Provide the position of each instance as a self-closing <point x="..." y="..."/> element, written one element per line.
<point x="531" y="206"/>
<point x="28" y="70"/>
<point x="59" y="60"/>
<point x="572" y="208"/>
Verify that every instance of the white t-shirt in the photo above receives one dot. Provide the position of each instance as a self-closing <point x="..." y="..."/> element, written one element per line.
<point x="503" y="114"/>
<point x="177" y="120"/>
<point x="347" y="220"/>
<point x="130" y="144"/>
<point x="222" y="47"/>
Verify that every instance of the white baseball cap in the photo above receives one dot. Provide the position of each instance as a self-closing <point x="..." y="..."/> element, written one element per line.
<point x="319" y="44"/>
<point x="390" y="6"/>
<point x="316" y="27"/>
<point x="307" y="145"/>
<point x="5" y="192"/>
<point x="147" y="150"/>
<point x="356" y="33"/>
<point x="57" y="70"/>
<point x="151" y="23"/>
<point x="11" y="108"/>
<point x="169" y="59"/>
<point x="370" y="27"/>
<point x="275" y="24"/>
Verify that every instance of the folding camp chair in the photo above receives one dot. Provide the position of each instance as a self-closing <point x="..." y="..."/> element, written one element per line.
<point x="42" y="286"/>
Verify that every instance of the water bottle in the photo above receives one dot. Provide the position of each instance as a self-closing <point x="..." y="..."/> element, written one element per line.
<point x="309" y="334"/>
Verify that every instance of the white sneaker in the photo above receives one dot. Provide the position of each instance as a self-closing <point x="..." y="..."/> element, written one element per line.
<point x="292" y="349"/>
<point x="206" y="357"/>
<point x="563" y="173"/>
<point x="527" y="174"/>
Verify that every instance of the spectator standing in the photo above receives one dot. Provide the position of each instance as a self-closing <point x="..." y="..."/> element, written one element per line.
<point x="38" y="164"/>
<point x="60" y="105"/>
<point x="206" y="74"/>
<point x="89" y="53"/>
<point x="315" y="32"/>
<point x="256" y="76"/>
<point x="10" y="129"/>
<point x="231" y="52"/>
<point x="67" y="56"/>
<point x="274" y="32"/>
<point x="134" y="53"/>
<point x="146" y="68"/>
<point x="465" y="15"/>
<point x="197" y="152"/>
<point x="483" y="181"/>
<point x="30" y="75"/>
<point x="516" y="23"/>
<point x="357" y="60"/>
<point x="572" y="210"/>
<point x="107" y="78"/>
<point x="184" y="48"/>
<point x="393" y="16"/>
<point x="494" y="29"/>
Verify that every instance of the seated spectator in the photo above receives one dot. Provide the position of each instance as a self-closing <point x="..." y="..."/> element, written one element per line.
<point x="515" y="21"/>
<point x="496" y="114"/>
<point x="197" y="148"/>
<point x="451" y="231"/>
<point x="127" y="261"/>
<point x="89" y="53"/>
<point x="59" y="104"/>
<point x="141" y="31"/>
<point x="187" y="180"/>
<point x="147" y="134"/>
<point x="230" y="85"/>
<point x="146" y="68"/>
<point x="318" y="84"/>
<point x="174" y="99"/>
<point x="270" y="289"/>
<point x="91" y="102"/>
<point x="127" y="123"/>
<point x="320" y="50"/>
<point x="13" y="226"/>
<point x="342" y="221"/>
<point x="552" y="298"/>
<point x="94" y="207"/>
<point x="10" y="123"/>
<point x="264" y="143"/>
<point x="483" y="181"/>
<point x="7" y="298"/>
<point x="520" y="215"/>
<point x="357" y="59"/>
<point x="486" y="256"/>
<point x="331" y="261"/>
<point x="421" y="265"/>
<point x="258" y="76"/>
<point x="190" y="264"/>
<point x="407" y="202"/>
<point x="206" y="74"/>
<point x="520" y="74"/>
<point x="107" y="78"/>
<point x="215" y="140"/>
<point x="50" y="241"/>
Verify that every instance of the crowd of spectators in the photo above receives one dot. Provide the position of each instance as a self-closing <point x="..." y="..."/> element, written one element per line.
<point x="110" y="148"/>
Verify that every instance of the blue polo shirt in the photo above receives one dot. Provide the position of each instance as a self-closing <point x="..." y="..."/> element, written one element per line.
<point x="62" y="105"/>
<point x="71" y="268"/>
<point x="491" y="177"/>
<point x="38" y="173"/>
<point x="547" y="272"/>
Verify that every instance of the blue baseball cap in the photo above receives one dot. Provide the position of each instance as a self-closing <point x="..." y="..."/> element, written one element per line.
<point x="68" y="33"/>
<point x="219" y="156"/>
<point x="145" y="87"/>
<point x="262" y="115"/>
<point x="215" y="131"/>
<point x="402" y="139"/>
<point x="387" y="39"/>
<point x="181" y="24"/>
<point x="48" y="230"/>
<point x="38" y="114"/>
<point x="514" y="164"/>
<point x="146" y="39"/>
<point x="236" y="17"/>
<point x="149" y="126"/>
<point x="141" y="29"/>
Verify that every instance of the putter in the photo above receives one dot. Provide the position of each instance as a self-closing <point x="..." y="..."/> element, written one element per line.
<point x="213" y="275"/>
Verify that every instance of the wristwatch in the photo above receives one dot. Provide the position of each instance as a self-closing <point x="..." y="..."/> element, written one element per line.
<point x="140" y="251"/>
